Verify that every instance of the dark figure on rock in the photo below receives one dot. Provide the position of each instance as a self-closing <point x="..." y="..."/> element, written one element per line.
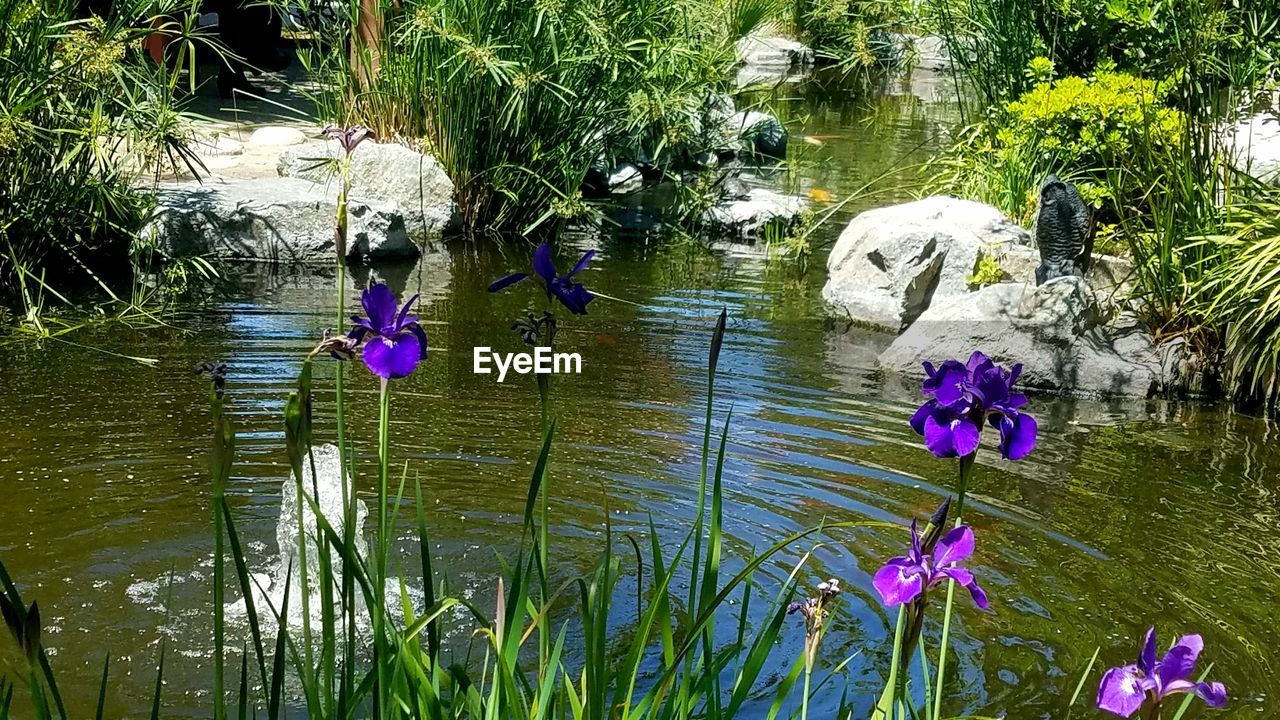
<point x="1063" y="231"/>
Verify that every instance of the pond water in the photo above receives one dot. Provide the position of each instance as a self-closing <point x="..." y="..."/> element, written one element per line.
<point x="1127" y="514"/>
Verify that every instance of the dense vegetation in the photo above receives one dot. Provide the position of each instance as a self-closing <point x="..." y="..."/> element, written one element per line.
<point x="82" y="117"/>
<point x="1129" y="100"/>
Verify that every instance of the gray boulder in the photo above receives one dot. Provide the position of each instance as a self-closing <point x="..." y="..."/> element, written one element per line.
<point x="932" y="54"/>
<point x="772" y="51"/>
<point x="756" y="213"/>
<point x="1058" y="332"/>
<point x="386" y="172"/>
<point x="285" y="220"/>
<point x="891" y="263"/>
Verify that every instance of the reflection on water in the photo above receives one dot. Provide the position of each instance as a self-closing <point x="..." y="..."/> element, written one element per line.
<point x="1127" y="514"/>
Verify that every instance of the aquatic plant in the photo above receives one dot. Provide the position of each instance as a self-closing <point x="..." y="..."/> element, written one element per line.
<point x="1126" y="689"/>
<point x="397" y="343"/>
<point x="573" y="295"/>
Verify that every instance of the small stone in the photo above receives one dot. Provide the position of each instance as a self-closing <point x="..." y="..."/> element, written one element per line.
<point x="277" y="135"/>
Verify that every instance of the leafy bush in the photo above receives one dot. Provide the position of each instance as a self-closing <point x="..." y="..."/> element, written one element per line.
<point x="82" y="114"/>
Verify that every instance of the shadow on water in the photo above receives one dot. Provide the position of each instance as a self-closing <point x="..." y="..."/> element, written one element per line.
<point x="1127" y="514"/>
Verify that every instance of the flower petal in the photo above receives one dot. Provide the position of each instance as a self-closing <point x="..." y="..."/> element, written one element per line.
<point x="393" y="358"/>
<point x="918" y="418"/>
<point x="898" y="583"/>
<point x="1178" y="663"/>
<point x="1122" y="691"/>
<point x="956" y="546"/>
<point x="421" y="334"/>
<point x="582" y="264"/>
<point x="543" y="264"/>
<point x="404" y="312"/>
<point x="502" y="282"/>
<point x="573" y="296"/>
<point x="947" y="383"/>
<point x="966" y="436"/>
<point x="978" y="594"/>
<point x="1147" y="657"/>
<point x="1017" y="435"/>
<point x="938" y="438"/>
<point x="1213" y="694"/>
<point x="380" y="305"/>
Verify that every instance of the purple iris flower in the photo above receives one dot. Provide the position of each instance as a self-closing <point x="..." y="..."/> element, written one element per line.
<point x="398" y="343"/>
<point x="903" y="579"/>
<point x="350" y="137"/>
<point x="570" y="294"/>
<point x="1125" y="689"/>
<point x="966" y="395"/>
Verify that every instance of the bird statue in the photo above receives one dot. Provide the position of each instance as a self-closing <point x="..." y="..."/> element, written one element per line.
<point x="1063" y="231"/>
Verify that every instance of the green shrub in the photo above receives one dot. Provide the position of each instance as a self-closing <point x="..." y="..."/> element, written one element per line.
<point x="860" y="35"/>
<point x="82" y="115"/>
<point x="518" y="99"/>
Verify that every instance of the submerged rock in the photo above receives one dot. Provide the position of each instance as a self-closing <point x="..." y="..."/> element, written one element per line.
<point x="387" y="172"/>
<point x="1058" y="332"/>
<point x="756" y="213"/>
<point x="890" y="264"/>
<point x="286" y="220"/>
<point x="759" y="133"/>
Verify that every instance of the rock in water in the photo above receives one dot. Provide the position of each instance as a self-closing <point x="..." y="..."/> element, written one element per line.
<point x="1062" y="231"/>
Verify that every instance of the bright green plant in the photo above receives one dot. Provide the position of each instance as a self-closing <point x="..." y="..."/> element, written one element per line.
<point x="860" y="35"/>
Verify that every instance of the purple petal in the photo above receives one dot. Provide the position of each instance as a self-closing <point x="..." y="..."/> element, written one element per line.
<point x="898" y="583"/>
<point x="1014" y="372"/>
<point x="502" y="282"/>
<point x="937" y="437"/>
<point x="956" y="546"/>
<point x="421" y="334"/>
<point x="573" y="296"/>
<point x="1147" y="658"/>
<point x="380" y="305"/>
<point x="1017" y="435"/>
<point x="957" y="573"/>
<point x="1122" y="691"/>
<point x="543" y="265"/>
<point x="1213" y="694"/>
<point x="918" y="418"/>
<point x="1178" y="663"/>
<point x="917" y="554"/>
<point x="401" y="320"/>
<point x="966" y="436"/>
<point x="582" y="264"/>
<point x="393" y="359"/>
<point x="947" y="384"/>
<point x="978" y="594"/>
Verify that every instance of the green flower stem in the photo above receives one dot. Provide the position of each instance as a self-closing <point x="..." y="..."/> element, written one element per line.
<point x="966" y="469"/>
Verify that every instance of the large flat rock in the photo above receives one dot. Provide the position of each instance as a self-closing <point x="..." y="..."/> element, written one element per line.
<point x="284" y="220"/>
<point x="385" y="172"/>
<point x="890" y="264"/>
<point x="1058" y="333"/>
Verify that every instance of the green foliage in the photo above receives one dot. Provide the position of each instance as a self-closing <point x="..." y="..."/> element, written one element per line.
<point x="1242" y="295"/>
<point x="517" y="99"/>
<point x="82" y="115"/>
<point x="986" y="272"/>
<point x="860" y="35"/>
